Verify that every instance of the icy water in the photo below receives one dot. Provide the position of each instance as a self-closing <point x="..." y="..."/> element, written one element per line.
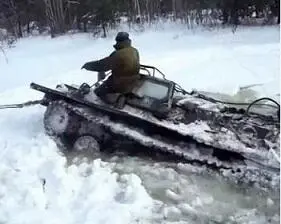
<point x="184" y="193"/>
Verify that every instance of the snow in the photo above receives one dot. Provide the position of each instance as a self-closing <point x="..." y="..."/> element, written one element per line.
<point x="38" y="186"/>
<point x="77" y="194"/>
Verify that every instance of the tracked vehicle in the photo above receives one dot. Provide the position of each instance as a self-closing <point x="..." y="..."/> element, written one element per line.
<point x="159" y="117"/>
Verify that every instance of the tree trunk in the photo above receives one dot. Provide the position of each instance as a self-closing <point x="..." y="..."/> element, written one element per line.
<point x="174" y="9"/>
<point x="56" y="17"/>
<point x="85" y="26"/>
<point x="137" y="8"/>
<point x="234" y="14"/>
<point x="104" y="30"/>
<point x="19" y="28"/>
<point x="28" y="27"/>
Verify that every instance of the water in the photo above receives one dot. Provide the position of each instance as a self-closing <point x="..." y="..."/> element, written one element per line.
<point x="189" y="194"/>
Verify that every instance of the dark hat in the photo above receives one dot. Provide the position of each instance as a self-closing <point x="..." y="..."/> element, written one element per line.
<point x="121" y="36"/>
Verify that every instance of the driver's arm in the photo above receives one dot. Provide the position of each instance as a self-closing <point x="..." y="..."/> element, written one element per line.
<point x="102" y="65"/>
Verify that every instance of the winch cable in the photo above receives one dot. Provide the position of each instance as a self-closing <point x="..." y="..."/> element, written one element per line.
<point x="35" y="102"/>
<point x="260" y="99"/>
<point x="20" y="105"/>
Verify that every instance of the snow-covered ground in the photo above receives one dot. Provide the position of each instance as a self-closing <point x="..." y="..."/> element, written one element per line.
<point x="37" y="186"/>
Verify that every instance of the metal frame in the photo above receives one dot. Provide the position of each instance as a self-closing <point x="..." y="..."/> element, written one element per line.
<point x="147" y="67"/>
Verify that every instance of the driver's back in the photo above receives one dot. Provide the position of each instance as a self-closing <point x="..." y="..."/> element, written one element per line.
<point x="126" y="66"/>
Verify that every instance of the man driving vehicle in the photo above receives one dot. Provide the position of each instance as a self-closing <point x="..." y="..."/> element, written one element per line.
<point x="124" y="63"/>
